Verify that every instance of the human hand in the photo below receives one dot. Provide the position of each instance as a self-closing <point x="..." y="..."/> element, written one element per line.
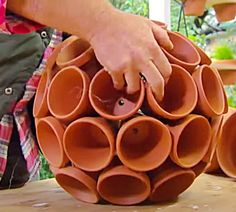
<point x="129" y="45"/>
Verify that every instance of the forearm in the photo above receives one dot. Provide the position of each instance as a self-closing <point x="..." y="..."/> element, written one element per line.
<point x="79" y="17"/>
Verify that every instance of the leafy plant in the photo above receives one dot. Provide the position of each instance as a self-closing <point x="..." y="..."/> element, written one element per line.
<point x="223" y="52"/>
<point x="45" y="172"/>
<point x="231" y="94"/>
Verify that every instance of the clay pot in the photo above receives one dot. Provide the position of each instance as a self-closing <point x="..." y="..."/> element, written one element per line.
<point x="180" y="96"/>
<point x="50" y="137"/>
<point x="122" y="186"/>
<point x="194" y="7"/>
<point x="226" y="148"/>
<point x="68" y="94"/>
<point x="77" y="183"/>
<point x="40" y="108"/>
<point x="76" y="52"/>
<point x="214" y="166"/>
<point x="169" y="181"/>
<point x="225" y="12"/>
<point x="211" y="101"/>
<point x="111" y="103"/>
<point x="143" y="143"/>
<point x="90" y="143"/>
<point x="183" y="53"/>
<point x="191" y="139"/>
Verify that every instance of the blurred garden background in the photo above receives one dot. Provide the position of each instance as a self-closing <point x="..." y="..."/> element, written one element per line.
<point x="218" y="40"/>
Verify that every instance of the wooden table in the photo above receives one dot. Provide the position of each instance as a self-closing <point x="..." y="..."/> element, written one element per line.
<point x="208" y="193"/>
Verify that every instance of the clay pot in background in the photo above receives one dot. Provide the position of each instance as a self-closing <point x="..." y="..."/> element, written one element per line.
<point x="40" y="108"/>
<point x="194" y="7"/>
<point x="122" y="186"/>
<point x="111" y="103"/>
<point x="50" y="138"/>
<point x="226" y="148"/>
<point x="211" y="101"/>
<point x="75" y="52"/>
<point x="203" y="165"/>
<point x="191" y="139"/>
<point x="143" y="143"/>
<point x="90" y="143"/>
<point x="180" y="96"/>
<point x="77" y="183"/>
<point x="225" y="12"/>
<point x="184" y="53"/>
<point x="169" y="181"/>
<point x="68" y="94"/>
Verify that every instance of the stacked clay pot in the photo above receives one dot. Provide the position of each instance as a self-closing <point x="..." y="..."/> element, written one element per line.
<point x="104" y="144"/>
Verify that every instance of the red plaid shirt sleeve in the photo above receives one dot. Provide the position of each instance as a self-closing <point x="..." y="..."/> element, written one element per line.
<point x="14" y="24"/>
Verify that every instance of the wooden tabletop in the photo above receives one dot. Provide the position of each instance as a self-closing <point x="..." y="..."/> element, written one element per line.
<point x="208" y="194"/>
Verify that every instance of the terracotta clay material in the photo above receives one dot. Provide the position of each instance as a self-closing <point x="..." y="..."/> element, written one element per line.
<point x="143" y="143"/>
<point x="183" y="53"/>
<point x="214" y="166"/>
<point x="191" y="140"/>
<point x="68" y="94"/>
<point x="50" y="137"/>
<point x="211" y="101"/>
<point x="194" y="7"/>
<point x="75" y="52"/>
<point x="180" y="96"/>
<point x="40" y="108"/>
<point x="111" y="103"/>
<point x="122" y="186"/>
<point x="169" y="181"/>
<point x="225" y="12"/>
<point x="226" y="148"/>
<point x="77" y="183"/>
<point x="90" y="143"/>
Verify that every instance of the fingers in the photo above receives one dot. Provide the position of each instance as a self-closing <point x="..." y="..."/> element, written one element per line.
<point x="132" y="79"/>
<point x="161" y="37"/>
<point x="155" y="79"/>
<point x="118" y="79"/>
<point x="161" y="62"/>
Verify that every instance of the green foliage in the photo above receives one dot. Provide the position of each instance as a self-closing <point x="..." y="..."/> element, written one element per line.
<point x="223" y="52"/>
<point x="231" y="94"/>
<point x="45" y="172"/>
<point x="138" y="7"/>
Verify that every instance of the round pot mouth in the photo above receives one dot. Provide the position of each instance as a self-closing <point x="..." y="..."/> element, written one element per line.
<point x="50" y="134"/>
<point x="192" y="58"/>
<point x="89" y="143"/>
<point x="175" y="105"/>
<point x="122" y="186"/>
<point x="75" y="51"/>
<point x="212" y="92"/>
<point x="225" y="149"/>
<point x="80" y="185"/>
<point x="189" y="150"/>
<point x="40" y="108"/>
<point x="143" y="143"/>
<point x="170" y="183"/>
<point x="75" y="87"/>
<point x="111" y="103"/>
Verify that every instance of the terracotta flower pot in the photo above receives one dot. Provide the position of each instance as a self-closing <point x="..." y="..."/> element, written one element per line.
<point x="90" y="143"/>
<point x="111" y="103"/>
<point x="226" y="148"/>
<point x="122" y="186"/>
<point x="40" y="108"/>
<point x="77" y="183"/>
<point x="50" y="137"/>
<point x="76" y="52"/>
<point x="184" y="53"/>
<point x="169" y="181"/>
<point x="191" y="139"/>
<point x="211" y="101"/>
<point x="68" y="94"/>
<point x="225" y="12"/>
<point x="143" y="143"/>
<point x="194" y="7"/>
<point x="214" y="166"/>
<point x="180" y="96"/>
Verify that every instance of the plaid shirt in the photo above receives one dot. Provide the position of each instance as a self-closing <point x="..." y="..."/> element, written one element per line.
<point x="20" y="114"/>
